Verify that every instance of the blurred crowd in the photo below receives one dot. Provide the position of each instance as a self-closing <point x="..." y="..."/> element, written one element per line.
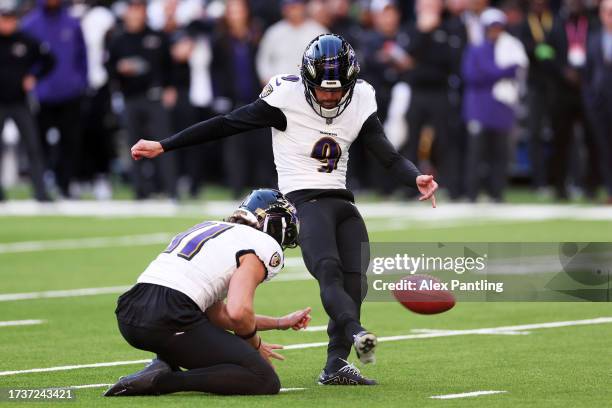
<point x="476" y="92"/>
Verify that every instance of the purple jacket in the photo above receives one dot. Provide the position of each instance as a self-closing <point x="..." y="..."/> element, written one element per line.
<point x="62" y="33"/>
<point x="480" y="73"/>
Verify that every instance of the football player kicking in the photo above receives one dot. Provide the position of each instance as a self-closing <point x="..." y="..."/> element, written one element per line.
<point x="314" y="119"/>
<point x="176" y="309"/>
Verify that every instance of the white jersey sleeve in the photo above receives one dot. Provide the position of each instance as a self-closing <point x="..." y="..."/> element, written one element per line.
<point x="270" y="253"/>
<point x="280" y="90"/>
<point x="365" y="98"/>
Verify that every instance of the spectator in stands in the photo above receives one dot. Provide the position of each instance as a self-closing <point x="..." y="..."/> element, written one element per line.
<point x="598" y="84"/>
<point x="265" y="12"/>
<point x="488" y="104"/>
<point x="431" y="60"/>
<point x="284" y="42"/>
<point x="177" y="19"/>
<point x="472" y="20"/>
<point x="139" y="61"/>
<point x="23" y="61"/>
<point x="569" y="39"/>
<point x="384" y="63"/>
<point x="60" y="93"/>
<point x="343" y="23"/>
<point x="320" y="11"/>
<point x="99" y="122"/>
<point x="247" y="158"/>
<point x="457" y="133"/>
<point x="535" y="34"/>
<point x="384" y="56"/>
<point x="200" y="163"/>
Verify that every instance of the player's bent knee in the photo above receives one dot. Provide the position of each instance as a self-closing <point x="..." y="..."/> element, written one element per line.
<point x="267" y="381"/>
<point x="271" y="384"/>
<point x="328" y="271"/>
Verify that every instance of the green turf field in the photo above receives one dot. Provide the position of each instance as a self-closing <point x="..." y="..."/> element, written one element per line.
<point x="548" y="367"/>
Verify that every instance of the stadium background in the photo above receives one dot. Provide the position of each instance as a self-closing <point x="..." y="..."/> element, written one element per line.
<point x="63" y="264"/>
<point x="544" y="163"/>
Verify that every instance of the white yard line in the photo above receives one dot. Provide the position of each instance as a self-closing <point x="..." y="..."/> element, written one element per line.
<point x="79" y="387"/>
<point x="74" y="367"/>
<point x="406" y="210"/>
<point x="316" y="328"/>
<point x="467" y="394"/>
<point x="6" y="297"/>
<point x="548" y="325"/>
<point x="21" y="323"/>
<point x="85" y="243"/>
<point x="109" y="290"/>
<point x="496" y="332"/>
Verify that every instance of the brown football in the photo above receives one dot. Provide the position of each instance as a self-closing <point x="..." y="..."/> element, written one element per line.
<point x="425" y="295"/>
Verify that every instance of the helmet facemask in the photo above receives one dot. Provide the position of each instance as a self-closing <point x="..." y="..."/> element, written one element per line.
<point x="279" y="227"/>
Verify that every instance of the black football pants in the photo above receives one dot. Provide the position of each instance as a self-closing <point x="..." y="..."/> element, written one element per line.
<point x="167" y="322"/>
<point x="215" y="360"/>
<point x="335" y="247"/>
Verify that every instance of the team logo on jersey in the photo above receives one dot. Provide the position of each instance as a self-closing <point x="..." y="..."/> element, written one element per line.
<point x="266" y="91"/>
<point x="275" y="260"/>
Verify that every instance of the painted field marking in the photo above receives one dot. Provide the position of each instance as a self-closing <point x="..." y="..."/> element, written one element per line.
<point x="412" y="211"/>
<point x="316" y="328"/>
<point x="74" y="367"/>
<point x="467" y="394"/>
<point x="20" y="323"/>
<point x="109" y="290"/>
<point x="6" y="297"/>
<point x="85" y="243"/>
<point x="79" y="387"/>
<point x="502" y="332"/>
<point x="548" y="325"/>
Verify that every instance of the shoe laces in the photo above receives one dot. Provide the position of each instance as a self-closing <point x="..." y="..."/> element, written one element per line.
<point x="350" y="368"/>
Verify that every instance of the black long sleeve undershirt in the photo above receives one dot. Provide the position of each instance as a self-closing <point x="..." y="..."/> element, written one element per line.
<point x="373" y="136"/>
<point x="256" y="115"/>
<point x="259" y="114"/>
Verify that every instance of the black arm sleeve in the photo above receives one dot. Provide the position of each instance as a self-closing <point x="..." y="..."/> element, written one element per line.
<point x="373" y="136"/>
<point x="256" y="115"/>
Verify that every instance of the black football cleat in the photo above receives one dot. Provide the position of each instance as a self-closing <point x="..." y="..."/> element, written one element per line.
<point x="365" y="345"/>
<point x="140" y="383"/>
<point x="347" y="375"/>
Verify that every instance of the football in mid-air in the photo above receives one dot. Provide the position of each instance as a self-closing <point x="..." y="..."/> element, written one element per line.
<point x="423" y="294"/>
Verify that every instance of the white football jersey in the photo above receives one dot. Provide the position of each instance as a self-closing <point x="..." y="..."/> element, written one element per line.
<point x="200" y="261"/>
<point x="312" y="153"/>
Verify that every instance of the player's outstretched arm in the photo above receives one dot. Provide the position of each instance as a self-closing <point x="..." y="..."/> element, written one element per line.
<point x="257" y="115"/>
<point x="297" y="320"/>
